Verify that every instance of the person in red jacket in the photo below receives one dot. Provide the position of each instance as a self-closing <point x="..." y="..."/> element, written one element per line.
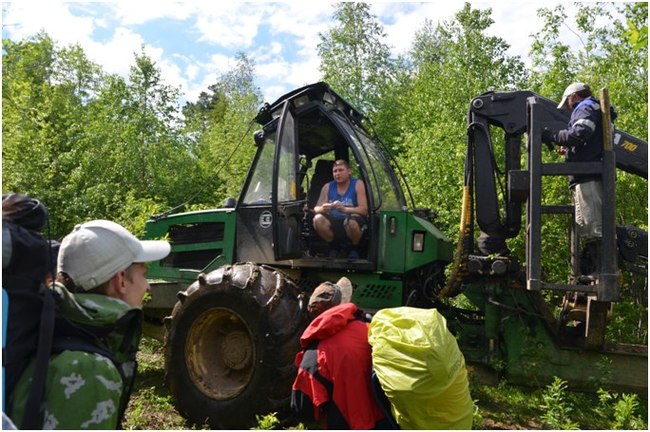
<point x="335" y="364"/>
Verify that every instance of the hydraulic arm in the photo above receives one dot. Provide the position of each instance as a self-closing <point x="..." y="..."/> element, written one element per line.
<point x="514" y="326"/>
<point x="508" y="111"/>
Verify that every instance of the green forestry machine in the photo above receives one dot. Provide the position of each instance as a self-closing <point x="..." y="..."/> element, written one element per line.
<point x="230" y="300"/>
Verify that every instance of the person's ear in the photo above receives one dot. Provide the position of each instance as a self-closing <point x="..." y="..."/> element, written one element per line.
<point x="117" y="284"/>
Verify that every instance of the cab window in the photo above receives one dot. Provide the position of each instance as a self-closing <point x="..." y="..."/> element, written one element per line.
<point x="259" y="189"/>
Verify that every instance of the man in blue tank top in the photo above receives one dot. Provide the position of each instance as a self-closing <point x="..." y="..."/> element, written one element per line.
<point x="341" y="210"/>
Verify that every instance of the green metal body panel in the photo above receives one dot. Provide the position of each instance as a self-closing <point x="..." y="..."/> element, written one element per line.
<point x="373" y="289"/>
<point x="395" y="254"/>
<point x="518" y="339"/>
<point x="213" y="251"/>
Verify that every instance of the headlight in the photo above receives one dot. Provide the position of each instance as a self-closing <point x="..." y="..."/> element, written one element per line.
<point x="417" y="245"/>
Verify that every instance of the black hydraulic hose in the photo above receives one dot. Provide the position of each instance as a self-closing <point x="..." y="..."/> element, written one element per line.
<point x="515" y="309"/>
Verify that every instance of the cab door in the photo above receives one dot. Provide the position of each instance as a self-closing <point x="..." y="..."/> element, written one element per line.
<point x="287" y="208"/>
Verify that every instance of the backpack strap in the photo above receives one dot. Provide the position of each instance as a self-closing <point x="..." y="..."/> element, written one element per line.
<point x="34" y="407"/>
<point x="129" y="346"/>
<point x="333" y="414"/>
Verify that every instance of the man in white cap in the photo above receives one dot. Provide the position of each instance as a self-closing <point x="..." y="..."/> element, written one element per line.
<point x="582" y="141"/>
<point x="333" y="381"/>
<point x="103" y="257"/>
<point x="100" y="286"/>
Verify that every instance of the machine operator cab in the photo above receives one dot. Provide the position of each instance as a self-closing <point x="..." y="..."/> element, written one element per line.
<point x="303" y="133"/>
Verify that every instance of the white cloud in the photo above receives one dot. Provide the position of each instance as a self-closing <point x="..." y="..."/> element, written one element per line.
<point x="301" y="23"/>
<point x="24" y="19"/>
<point x="191" y="71"/>
<point x="406" y="20"/>
<point x="117" y="55"/>
<point x="172" y="75"/>
<point x="292" y="74"/>
<point x="276" y="48"/>
<point x="273" y="69"/>
<point x="220" y="63"/>
<point x="304" y="19"/>
<point x="143" y="11"/>
<point x="231" y="25"/>
<point x="523" y="15"/>
<point x="273" y="92"/>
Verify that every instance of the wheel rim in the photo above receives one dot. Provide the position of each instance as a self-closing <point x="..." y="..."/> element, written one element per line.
<point x="220" y="353"/>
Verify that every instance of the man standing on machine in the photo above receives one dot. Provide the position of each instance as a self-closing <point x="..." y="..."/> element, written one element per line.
<point x="582" y="141"/>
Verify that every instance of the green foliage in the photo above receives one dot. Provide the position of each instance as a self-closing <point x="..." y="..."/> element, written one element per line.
<point x="638" y="37"/>
<point x="94" y="145"/>
<point x="629" y="322"/>
<point x="86" y="144"/>
<point x="354" y="59"/>
<point x="502" y="406"/>
<point x="267" y="422"/>
<point x="140" y="414"/>
<point x="556" y="410"/>
<point x="91" y="145"/>
<point x="621" y="411"/>
<point x="512" y="407"/>
<point x="42" y="116"/>
<point x="224" y="146"/>
<point x="477" y="416"/>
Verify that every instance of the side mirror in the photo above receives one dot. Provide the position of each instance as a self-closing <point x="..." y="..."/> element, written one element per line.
<point x="259" y="137"/>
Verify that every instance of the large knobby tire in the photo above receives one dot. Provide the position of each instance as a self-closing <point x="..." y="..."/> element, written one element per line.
<point x="231" y="345"/>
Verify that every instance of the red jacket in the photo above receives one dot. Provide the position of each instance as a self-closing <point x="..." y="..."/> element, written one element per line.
<point x="334" y="369"/>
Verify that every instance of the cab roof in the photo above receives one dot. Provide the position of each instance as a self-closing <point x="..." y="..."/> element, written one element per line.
<point x="317" y="92"/>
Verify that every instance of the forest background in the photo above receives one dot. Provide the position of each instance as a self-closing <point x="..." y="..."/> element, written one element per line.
<point x="90" y="144"/>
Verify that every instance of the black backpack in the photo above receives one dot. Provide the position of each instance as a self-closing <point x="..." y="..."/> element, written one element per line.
<point x="35" y="326"/>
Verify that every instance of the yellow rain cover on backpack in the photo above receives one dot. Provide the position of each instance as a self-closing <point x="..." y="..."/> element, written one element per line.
<point x="421" y="369"/>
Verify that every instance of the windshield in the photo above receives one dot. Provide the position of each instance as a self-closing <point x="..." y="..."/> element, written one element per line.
<point x="384" y="187"/>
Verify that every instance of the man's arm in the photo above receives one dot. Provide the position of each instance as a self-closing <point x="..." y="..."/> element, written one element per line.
<point x="91" y="384"/>
<point x="582" y="128"/>
<point x="362" y="199"/>
<point x="83" y="391"/>
<point x="322" y="206"/>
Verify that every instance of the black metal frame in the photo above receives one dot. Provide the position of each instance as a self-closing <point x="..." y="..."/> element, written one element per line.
<point x="524" y="112"/>
<point x="606" y="287"/>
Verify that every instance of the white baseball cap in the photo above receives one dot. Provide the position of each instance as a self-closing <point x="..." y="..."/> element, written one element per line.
<point x="95" y="251"/>
<point x="572" y="88"/>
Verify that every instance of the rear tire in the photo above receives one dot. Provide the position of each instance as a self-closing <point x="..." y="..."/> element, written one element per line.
<point x="231" y="345"/>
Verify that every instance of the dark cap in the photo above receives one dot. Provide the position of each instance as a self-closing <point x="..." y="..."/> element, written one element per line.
<point x="328" y="295"/>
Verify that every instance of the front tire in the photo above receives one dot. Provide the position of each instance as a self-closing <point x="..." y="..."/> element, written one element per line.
<point x="231" y="345"/>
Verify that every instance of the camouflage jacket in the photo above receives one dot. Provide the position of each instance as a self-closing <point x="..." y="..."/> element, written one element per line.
<point x="86" y="390"/>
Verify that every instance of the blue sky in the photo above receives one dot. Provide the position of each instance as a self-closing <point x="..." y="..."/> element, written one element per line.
<point x="193" y="42"/>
